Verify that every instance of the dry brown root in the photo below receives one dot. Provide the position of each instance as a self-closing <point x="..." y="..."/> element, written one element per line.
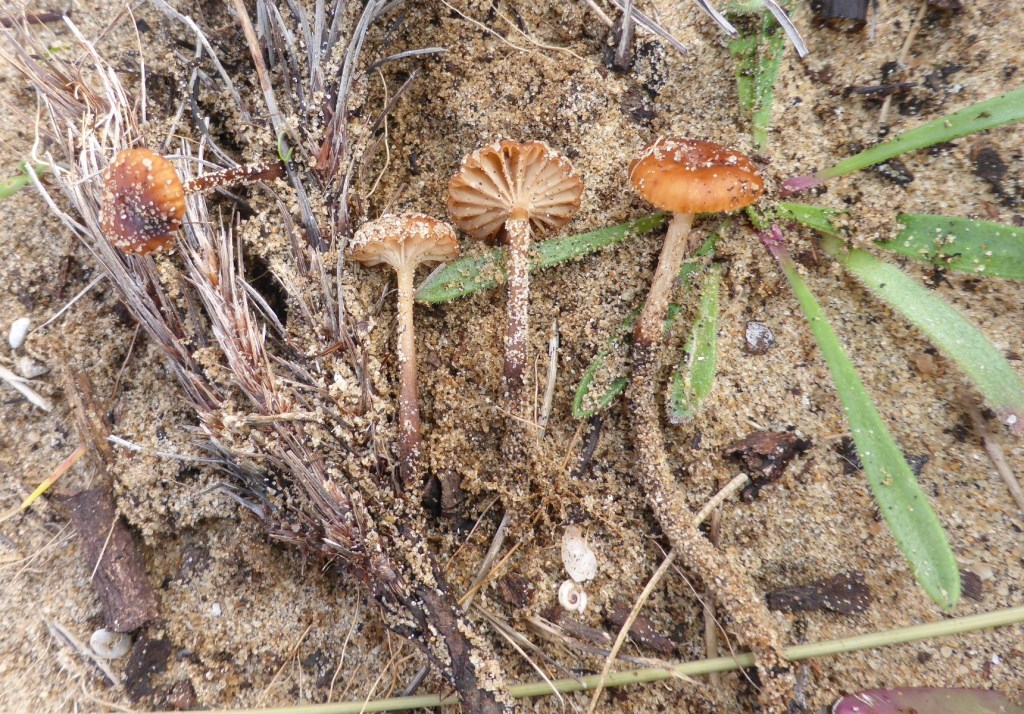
<point x="736" y="593"/>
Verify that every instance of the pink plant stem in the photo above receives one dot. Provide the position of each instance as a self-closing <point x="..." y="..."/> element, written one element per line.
<point x="797" y="184"/>
<point x="264" y="171"/>
<point x="517" y="331"/>
<point x="409" y="392"/>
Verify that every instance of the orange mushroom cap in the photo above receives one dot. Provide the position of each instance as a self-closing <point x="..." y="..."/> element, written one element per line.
<point x="512" y="179"/>
<point x="143" y="202"/>
<point x="398" y="239"/>
<point x="689" y="176"/>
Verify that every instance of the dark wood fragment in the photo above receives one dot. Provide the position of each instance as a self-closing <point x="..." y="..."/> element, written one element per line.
<point x="642" y="630"/>
<point x="846" y="594"/>
<point x="970" y="584"/>
<point x="148" y="658"/>
<point x="843" y="15"/>
<point x="120" y="581"/>
<point x="766" y="454"/>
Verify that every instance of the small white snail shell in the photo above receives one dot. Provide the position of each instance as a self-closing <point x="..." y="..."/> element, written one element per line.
<point x="19" y="331"/>
<point x="579" y="560"/>
<point x="110" y="645"/>
<point x="572" y="597"/>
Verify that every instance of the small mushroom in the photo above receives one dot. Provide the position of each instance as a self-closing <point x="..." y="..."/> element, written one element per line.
<point x="144" y="199"/>
<point x="404" y="242"/>
<point x="514" y="190"/>
<point x="686" y="177"/>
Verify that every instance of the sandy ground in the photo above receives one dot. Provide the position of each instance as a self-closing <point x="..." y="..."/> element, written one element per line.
<point x="248" y="623"/>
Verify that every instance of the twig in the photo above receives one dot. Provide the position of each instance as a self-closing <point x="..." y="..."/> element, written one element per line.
<point x="624" y="51"/>
<point x="730" y="488"/>
<point x="710" y="618"/>
<point x="901" y="60"/>
<point x="549" y="389"/>
<point x="62" y="634"/>
<point x="21" y="384"/>
<point x="995" y="452"/>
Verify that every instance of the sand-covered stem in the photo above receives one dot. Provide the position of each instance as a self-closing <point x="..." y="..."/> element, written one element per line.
<point x="518" y="327"/>
<point x="717" y="568"/>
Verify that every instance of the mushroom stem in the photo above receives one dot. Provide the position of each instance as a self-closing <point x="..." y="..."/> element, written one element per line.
<point x="516" y="333"/>
<point x="717" y="568"/>
<point x="678" y="244"/>
<point x="264" y="171"/>
<point x="409" y="392"/>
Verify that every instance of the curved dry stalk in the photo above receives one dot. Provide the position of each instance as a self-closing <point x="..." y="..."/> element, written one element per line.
<point x="718" y="569"/>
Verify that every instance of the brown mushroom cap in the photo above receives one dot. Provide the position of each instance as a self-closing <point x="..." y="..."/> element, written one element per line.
<point x="513" y="180"/>
<point x="397" y="239"/>
<point x="688" y="176"/>
<point x="143" y="202"/>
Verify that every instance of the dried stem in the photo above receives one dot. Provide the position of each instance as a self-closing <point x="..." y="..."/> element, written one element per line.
<point x="718" y="569"/>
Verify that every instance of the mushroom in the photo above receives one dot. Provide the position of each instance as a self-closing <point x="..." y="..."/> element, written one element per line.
<point x="144" y="199"/>
<point x="514" y="189"/>
<point x="687" y="177"/>
<point x="404" y="241"/>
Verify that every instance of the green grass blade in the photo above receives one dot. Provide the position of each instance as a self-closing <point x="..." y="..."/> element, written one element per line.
<point x="585" y="404"/>
<point x="914" y="525"/>
<point x="467" y="276"/>
<point x="693" y="378"/>
<point x="962" y="244"/>
<point x="987" y="114"/>
<point x="744" y="56"/>
<point x="946" y="328"/>
<point x="817" y="218"/>
<point x="10" y="186"/>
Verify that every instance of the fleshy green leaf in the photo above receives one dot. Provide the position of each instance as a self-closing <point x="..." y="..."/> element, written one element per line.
<point x="955" y="336"/>
<point x="10" y="186"/>
<point x="962" y="244"/>
<point x="693" y="378"/>
<point x="987" y="114"/>
<point x="947" y="329"/>
<point x="466" y="276"/>
<point x="615" y="373"/>
<point x="914" y="525"/>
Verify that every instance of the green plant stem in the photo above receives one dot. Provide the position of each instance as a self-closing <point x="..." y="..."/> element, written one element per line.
<point x="10" y="186"/>
<point x="842" y="645"/>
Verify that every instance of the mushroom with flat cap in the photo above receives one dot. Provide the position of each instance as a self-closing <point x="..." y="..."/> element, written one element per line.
<point x="403" y="242"/>
<point x="514" y="190"/>
<point x="143" y="201"/>
<point x="688" y="177"/>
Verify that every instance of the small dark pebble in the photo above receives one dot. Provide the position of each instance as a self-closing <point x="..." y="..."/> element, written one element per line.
<point x="970" y="584"/>
<point x="517" y="592"/>
<point x="896" y="171"/>
<point x="759" y="338"/>
<point x="923" y="657"/>
<point x="846" y="594"/>
<point x="989" y="167"/>
<point x="181" y="697"/>
<point x="917" y="463"/>
<point x="642" y="630"/>
<point x="766" y="454"/>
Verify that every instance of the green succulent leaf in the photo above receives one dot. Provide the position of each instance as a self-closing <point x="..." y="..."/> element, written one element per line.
<point x="468" y="275"/>
<point x="694" y="376"/>
<point x="914" y="526"/>
<point x="955" y="336"/>
<point x="10" y="186"/>
<point x="961" y="244"/>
